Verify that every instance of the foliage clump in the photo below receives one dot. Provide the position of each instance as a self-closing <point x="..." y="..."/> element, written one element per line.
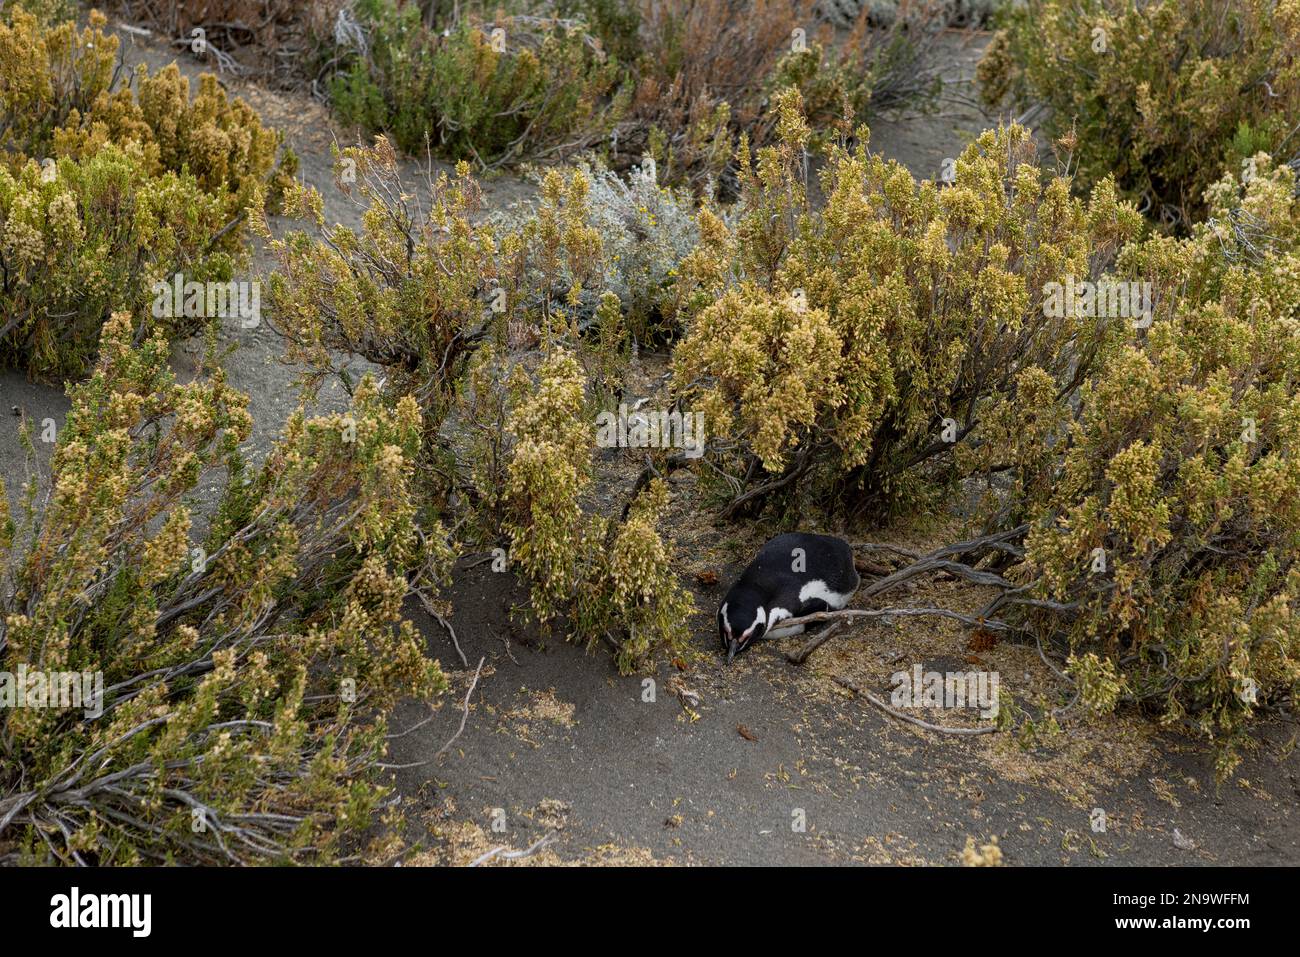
<point x="614" y="580"/>
<point x="838" y="351"/>
<point x="243" y="654"/>
<point x="678" y="81"/>
<point x="1156" y="558"/>
<point x="80" y="239"/>
<point x="491" y="91"/>
<point x="547" y="473"/>
<point x="1170" y="534"/>
<point x="1162" y="96"/>
<point x="635" y="594"/>
<point x="107" y="188"/>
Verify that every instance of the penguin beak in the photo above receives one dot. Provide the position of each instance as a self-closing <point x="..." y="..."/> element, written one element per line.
<point x="732" y="649"/>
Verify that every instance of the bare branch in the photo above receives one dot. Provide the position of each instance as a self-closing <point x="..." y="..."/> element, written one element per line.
<point x="893" y="713"/>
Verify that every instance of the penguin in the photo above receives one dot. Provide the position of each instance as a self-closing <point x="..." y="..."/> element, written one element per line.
<point x="793" y="575"/>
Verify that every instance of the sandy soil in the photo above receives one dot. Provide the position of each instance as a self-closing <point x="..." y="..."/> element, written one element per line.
<point x="708" y="764"/>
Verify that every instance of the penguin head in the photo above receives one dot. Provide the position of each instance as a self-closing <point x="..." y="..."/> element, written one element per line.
<point x="742" y="620"/>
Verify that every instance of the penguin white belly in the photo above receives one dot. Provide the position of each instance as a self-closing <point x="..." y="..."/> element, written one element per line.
<point x="818" y="589"/>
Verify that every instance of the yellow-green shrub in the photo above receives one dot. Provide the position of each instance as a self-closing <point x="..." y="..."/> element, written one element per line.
<point x="549" y="468"/>
<point x="830" y="350"/>
<point x="219" y="141"/>
<point x="80" y="239"/>
<point x="106" y="188"/>
<point x="62" y="98"/>
<point x="1171" y="530"/>
<point x="1162" y="95"/>
<point x="613" y="580"/>
<point x="633" y="595"/>
<point x="407" y="292"/>
<point x="242" y="666"/>
<point x="552" y="255"/>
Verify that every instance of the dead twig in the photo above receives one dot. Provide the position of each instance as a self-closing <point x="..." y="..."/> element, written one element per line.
<point x="894" y="713"/>
<point x="428" y="607"/>
<point x="464" y="713"/>
<point x="801" y="655"/>
<point x="509" y="855"/>
<point x="506" y="641"/>
<point x="464" y="717"/>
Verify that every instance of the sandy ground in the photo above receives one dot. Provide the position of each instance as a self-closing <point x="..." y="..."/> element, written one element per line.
<point x="763" y="762"/>
<point x="557" y="741"/>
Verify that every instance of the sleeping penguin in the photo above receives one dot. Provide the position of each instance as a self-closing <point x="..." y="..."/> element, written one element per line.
<point x="794" y="574"/>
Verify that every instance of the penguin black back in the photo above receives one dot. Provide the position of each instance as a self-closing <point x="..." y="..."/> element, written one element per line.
<point x="793" y="574"/>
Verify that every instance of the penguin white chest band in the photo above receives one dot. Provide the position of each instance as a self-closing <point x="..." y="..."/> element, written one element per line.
<point x="817" y="589"/>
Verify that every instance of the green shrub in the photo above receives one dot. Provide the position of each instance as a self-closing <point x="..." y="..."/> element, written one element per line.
<point x="242" y="667"/>
<point x="614" y="580"/>
<point x="106" y="189"/>
<point x="837" y="352"/>
<point x="1162" y="96"/>
<point x="634" y="598"/>
<point x="47" y="11"/>
<point x="1170" y="533"/>
<point x="615" y="22"/>
<point x="492" y="92"/>
<point x="83" y="238"/>
<point x="435" y="298"/>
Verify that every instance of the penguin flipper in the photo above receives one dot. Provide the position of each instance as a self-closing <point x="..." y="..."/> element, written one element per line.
<point x="811" y="606"/>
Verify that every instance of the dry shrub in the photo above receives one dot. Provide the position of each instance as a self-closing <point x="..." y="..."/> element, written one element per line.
<point x="708" y="71"/>
<point x="244" y="653"/>
<point x="1161" y="95"/>
<point x="277" y="39"/>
